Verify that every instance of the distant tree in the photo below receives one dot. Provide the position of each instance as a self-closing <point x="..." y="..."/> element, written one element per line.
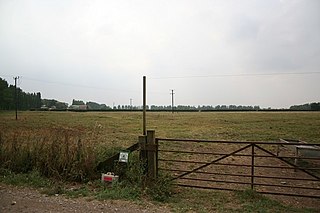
<point x="51" y="103"/>
<point x="96" y="106"/>
<point x="25" y="100"/>
<point x="77" y="102"/>
<point x="309" y="106"/>
<point x="93" y="105"/>
<point x="301" y="107"/>
<point x="256" y="108"/>
<point x="223" y="107"/>
<point x="315" y="106"/>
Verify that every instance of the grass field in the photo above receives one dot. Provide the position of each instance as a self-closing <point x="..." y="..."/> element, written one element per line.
<point x="123" y="128"/>
<point x="68" y="145"/>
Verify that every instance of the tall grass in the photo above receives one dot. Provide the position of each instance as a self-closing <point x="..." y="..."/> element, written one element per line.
<point x="59" y="153"/>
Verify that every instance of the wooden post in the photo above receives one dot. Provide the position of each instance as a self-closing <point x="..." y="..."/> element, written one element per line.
<point x="148" y="155"/>
<point x="144" y="132"/>
<point x="143" y="152"/>
<point x="157" y="157"/>
<point x="151" y="154"/>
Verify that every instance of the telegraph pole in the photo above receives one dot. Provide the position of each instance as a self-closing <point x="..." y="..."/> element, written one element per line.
<point x="172" y="105"/>
<point x="15" y="95"/>
<point x="144" y="128"/>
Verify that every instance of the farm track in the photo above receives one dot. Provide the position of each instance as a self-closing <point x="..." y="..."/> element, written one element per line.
<point x="20" y="199"/>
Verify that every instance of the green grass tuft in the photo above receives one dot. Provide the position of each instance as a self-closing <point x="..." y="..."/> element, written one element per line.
<point x="33" y="179"/>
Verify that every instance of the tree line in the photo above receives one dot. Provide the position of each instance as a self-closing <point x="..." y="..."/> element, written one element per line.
<point x="309" y="106"/>
<point x="10" y="95"/>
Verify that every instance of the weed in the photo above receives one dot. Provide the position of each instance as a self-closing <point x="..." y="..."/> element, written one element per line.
<point x="120" y="191"/>
<point x="162" y="189"/>
<point x="82" y="191"/>
<point x="254" y="202"/>
<point x="32" y="178"/>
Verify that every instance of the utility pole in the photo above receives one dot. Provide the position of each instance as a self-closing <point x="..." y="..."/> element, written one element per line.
<point x="15" y="95"/>
<point x="131" y="103"/>
<point x="144" y="125"/>
<point x="172" y="105"/>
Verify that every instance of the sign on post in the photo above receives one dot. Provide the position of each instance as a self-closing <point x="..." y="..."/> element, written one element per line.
<point x="124" y="156"/>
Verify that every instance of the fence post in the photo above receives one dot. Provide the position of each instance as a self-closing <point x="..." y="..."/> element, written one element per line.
<point x="151" y="155"/>
<point x="143" y="152"/>
<point x="157" y="157"/>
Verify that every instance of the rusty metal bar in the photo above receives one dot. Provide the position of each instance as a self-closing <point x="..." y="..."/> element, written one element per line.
<point x="207" y="164"/>
<point x="215" y="181"/>
<point x="204" y="187"/>
<point x="241" y="175"/>
<point x="290" y="194"/>
<point x="228" y="189"/>
<point x="287" y="162"/>
<point x="230" y="164"/>
<point x="234" y="142"/>
<point x="239" y="155"/>
<point x="287" y="186"/>
<point x="247" y="183"/>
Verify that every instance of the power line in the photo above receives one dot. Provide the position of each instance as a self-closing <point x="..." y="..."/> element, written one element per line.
<point x="79" y="85"/>
<point x="83" y="86"/>
<point x="236" y="75"/>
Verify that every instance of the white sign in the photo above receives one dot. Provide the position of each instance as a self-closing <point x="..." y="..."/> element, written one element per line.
<point x="124" y="156"/>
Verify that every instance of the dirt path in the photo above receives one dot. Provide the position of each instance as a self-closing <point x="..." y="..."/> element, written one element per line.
<point x="18" y="199"/>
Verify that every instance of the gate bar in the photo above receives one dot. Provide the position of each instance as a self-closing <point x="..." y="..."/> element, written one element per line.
<point x="233" y="142"/>
<point x="291" y="164"/>
<point x="243" y="165"/>
<point x="227" y="189"/>
<point x="241" y="175"/>
<point x="247" y="183"/>
<point x="240" y="155"/>
<point x="207" y="164"/>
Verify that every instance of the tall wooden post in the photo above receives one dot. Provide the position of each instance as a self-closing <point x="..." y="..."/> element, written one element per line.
<point x="144" y="105"/>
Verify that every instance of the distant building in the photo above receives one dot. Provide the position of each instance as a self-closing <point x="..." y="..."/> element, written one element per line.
<point x="78" y="107"/>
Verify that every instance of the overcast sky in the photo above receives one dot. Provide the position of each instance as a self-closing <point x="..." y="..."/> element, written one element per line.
<point x="247" y="52"/>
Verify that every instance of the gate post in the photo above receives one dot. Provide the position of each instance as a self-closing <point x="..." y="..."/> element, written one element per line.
<point x="143" y="153"/>
<point x="151" y="155"/>
<point x="148" y="155"/>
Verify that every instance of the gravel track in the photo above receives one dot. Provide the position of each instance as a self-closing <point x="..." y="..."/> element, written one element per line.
<point x="21" y="199"/>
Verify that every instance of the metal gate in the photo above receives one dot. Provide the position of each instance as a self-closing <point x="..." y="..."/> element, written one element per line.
<point x="266" y="167"/>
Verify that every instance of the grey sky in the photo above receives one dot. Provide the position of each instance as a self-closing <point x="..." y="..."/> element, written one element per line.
<point x="204" y="50"/>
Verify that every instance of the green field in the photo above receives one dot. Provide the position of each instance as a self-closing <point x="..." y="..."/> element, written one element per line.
<point x="69" y="145"/>
<point x="123" y="128"/>
<point x="92" y="135"/>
